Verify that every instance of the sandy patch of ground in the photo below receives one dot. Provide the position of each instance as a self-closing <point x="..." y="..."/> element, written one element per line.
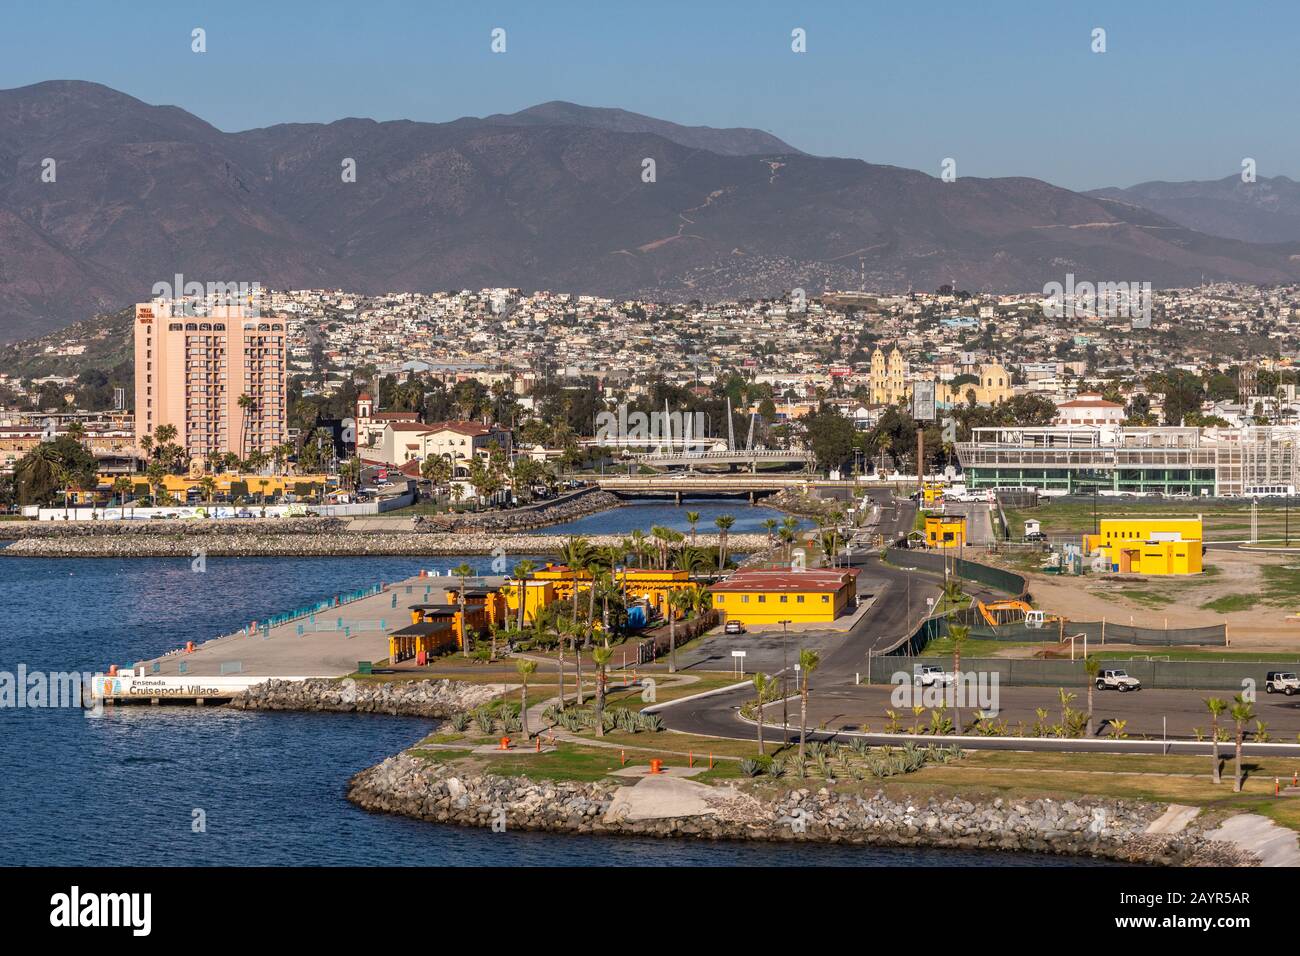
<point x="1094" y="598"/>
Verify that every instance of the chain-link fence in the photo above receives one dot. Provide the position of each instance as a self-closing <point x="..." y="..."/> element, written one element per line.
<point x="937" y="563"/>
<point x="1098" y="633"/>
<point x="1152" y="672"/>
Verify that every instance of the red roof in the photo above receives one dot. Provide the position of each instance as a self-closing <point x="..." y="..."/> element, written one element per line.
<point x="811" y="579"/>
<point x="461" y="427"/>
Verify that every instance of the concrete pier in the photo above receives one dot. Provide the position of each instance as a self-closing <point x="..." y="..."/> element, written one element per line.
<point x="330" y="645"/>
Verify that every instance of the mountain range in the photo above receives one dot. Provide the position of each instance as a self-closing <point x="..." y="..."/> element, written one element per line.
<point x="1264" y="210"/>
<point x="551" y="197"/>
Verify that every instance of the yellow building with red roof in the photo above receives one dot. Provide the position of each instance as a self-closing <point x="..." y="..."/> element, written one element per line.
<point x="757" y="597"/>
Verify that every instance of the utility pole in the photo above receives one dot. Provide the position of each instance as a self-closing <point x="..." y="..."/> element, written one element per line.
<point x="920" y="462"/>
<point x="785" y="668"/>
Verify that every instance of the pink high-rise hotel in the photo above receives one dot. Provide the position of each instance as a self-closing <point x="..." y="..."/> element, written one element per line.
<point x="192" y="369"/>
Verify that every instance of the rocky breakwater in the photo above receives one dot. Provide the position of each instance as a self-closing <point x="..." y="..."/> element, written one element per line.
<point x="668" y="807"/>
<point x="242" y="540"/>
<point x="577" y="505"/>
<point x="169" y="528"/>
<point x="424" y="698"/>
<point x="804" y="504"/>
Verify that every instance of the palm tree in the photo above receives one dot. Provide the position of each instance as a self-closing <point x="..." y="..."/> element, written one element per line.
<point x="548" y="619"/>
<point x="594" y="565"/>
<point x="808" y="662"/>
<point x="574" y="555"/>
<point x="601" y="657"/>
<point x="952" y="592"/>
<point x="677" y="601"/>
<point x="830" y="543"/>
<point x="787" y="541"/>
<point x="724" y="523"/>
<point x="789" y="527"/>
<point x="209" y="486"/>
<point x="627" y="548"/>
<point x="522" y="570"/>
<point x="762" y="684"/>
<point x="769" y="525"/>
<point x="463" y="571"/>
<point x="639" y="547"/>
<point x="958" y="633"/>
<point x="121" y="488"/>
<point x="1242" y="714"/>
<point x="1216" y="707"/>
<point x="661" y="536"/>
<point x="245" y="403"/>
<point x="525" y="668"/>
<point x="1091" y="667"/>
<point x="575" y="631"/>
<point x="692" y="518"/>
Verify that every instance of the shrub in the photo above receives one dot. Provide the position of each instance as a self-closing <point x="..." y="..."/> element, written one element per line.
<point x="484" y="720"/>
<point x="652" y="722"/>
<point x="753" y="766"/>
<point x="459" y="721"/>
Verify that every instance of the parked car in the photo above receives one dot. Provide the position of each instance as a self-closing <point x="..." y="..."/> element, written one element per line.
<point x="1117" y="680"/>
<point x="733" y="627"/>
<point x="1036" y="536"/>
<point x="930" y="675"/>
<point x="1281" y="682"/>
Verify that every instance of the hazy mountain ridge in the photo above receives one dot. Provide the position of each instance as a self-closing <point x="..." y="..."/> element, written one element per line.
<point x="1265" y="211"/>
<point x="552" y="197"/>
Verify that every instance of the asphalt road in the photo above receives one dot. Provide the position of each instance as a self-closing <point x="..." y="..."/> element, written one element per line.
<point x="718" y="715"/>
<point x="845" y="706"/>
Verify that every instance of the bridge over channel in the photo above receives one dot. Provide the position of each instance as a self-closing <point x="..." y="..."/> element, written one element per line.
<point x="739" y="456"/>
<point x="687" y="485"/>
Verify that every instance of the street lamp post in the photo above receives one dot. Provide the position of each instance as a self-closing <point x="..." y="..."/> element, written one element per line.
<point x="785" y="669"/>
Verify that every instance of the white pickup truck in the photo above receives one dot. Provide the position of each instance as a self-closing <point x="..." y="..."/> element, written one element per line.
<point x="1117" y="680"/>
<point x="1282" y="682"/>
<point x="930" y="675"/>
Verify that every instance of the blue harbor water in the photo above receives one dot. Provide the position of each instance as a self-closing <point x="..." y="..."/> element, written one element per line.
<point x="644" y="514"/>
<point x="127" y="788"/>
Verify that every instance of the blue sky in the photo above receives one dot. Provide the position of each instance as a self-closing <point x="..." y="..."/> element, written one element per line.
<point x="1185" y="90"/>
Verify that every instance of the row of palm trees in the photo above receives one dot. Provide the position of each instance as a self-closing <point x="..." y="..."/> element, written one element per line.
<point x="605" y="599"/>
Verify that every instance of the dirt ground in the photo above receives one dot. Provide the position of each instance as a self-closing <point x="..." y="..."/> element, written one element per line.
<point x="1271" y="624"/>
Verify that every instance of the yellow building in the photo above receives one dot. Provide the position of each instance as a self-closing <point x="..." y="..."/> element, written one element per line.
<point x="648" y="584"/>
<point x="994" y="386"/>
<point x="537" y="595"/>
<point x="440" y="628"/>
<point x="888" y="377"/>
<point x="1149" y="545"/>
<point x="945" y="531"/>
<point x="932" y="493"/>
<point x="759" y="597"/>
<point x="178" y="486"/>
